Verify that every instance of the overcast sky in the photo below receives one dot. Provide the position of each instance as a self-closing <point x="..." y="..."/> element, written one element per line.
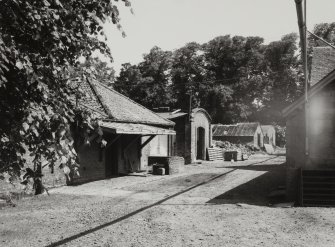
<point x="171" y="24"/>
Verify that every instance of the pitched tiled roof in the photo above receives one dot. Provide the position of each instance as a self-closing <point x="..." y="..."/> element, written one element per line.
<point x="323" y="62"/>
<point x="116" y="107"/>
<point x="240" y="129"/>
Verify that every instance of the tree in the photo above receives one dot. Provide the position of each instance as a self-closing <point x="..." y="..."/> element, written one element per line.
<point x="238" y="63"/>
<point x="187" y="74"/>
<point x="325" y="31"/>
<point x="98" y="70"/>
<point x="283" y="78"/>
<point x="149" y="82"/>
<point x="39" y="42"/>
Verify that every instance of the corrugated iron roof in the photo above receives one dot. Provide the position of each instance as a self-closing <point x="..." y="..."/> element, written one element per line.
<point x="240" y="129"/>
<point x="116" y="107"/>
<point x="323" y="62"/>
<point x="171" y="115"/>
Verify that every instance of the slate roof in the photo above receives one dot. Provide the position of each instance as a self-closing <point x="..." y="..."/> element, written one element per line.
<point x="115" y="107"/>
<point x="323" y="62"/>
<point x="240" y="129"/>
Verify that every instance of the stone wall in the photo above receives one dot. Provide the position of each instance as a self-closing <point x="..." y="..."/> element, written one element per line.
<point x="92" y="163"/>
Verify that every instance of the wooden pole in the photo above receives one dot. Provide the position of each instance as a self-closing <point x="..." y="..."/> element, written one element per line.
<point x="306" y="82"/>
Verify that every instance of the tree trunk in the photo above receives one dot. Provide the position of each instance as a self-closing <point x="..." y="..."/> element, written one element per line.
<point x="38" y="186"/>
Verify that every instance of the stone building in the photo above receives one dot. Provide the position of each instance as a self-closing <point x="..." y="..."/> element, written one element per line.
<point x="123" y="123"/>
<point x="193" y="136"/>
<point x="311" y="150"/>
<point x="241" y="133"/>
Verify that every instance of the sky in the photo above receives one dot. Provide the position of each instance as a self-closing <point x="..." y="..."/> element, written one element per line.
<point x="170" y="24"/>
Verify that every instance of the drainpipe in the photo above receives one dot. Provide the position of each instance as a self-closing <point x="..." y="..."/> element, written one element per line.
<point x="301" y="13"/>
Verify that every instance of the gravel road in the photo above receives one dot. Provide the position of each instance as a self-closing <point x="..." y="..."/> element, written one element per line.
<point x="209" y="204"/>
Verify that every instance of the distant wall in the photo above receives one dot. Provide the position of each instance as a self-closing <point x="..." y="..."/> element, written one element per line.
<point x="236" y="139"/>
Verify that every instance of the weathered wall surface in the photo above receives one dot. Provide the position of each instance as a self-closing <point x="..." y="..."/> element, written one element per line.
<point x="322" y="129"/>
<point x="295" y="152"/>
<point x="249" y="140"/>
<point x="321" y="138"/>
<point x="92" y="162"/>
<point x="92" y="158"/>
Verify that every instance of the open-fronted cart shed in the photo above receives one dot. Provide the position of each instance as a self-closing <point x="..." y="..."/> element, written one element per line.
<point x="124" y="123"/>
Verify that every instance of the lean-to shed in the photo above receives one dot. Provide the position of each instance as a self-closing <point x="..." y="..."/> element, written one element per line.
<point x="243" y="133"/>
<point x="311" y="150"/>
<point x="193" y="136"/>
<point x="123" y="123"/>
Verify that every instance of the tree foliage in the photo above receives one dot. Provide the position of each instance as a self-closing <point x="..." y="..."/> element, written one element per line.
<point x="40" y="41"/>
<point x="325" y="31"/>
<point x="234" y="78"/>
<point x="97" y="69"/>
<point x="148" y="82"/>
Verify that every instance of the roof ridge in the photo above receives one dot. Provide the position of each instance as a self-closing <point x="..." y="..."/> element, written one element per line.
<point x="100" y="99"/>
<point x="113" y="90"/>
<point x="322" y="47"/>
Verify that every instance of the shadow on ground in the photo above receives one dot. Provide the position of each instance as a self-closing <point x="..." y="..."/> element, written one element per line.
<point x="256" y="191"/>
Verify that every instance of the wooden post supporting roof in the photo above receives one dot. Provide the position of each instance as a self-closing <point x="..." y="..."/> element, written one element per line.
<point x="147" y="141"/>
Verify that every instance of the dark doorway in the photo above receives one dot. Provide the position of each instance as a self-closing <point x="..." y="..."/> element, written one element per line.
<point x="111" y="162"/>
<point x="259" y="140"/>
<point x="200" y="143"/>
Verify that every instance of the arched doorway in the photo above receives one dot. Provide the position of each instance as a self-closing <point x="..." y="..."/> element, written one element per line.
<point x="200" y="143"/>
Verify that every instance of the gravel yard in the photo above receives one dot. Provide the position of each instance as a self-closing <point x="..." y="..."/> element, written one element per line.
<point x="209" y="204"/>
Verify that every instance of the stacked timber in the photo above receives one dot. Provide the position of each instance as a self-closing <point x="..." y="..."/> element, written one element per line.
<point x="215" y="154"/>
